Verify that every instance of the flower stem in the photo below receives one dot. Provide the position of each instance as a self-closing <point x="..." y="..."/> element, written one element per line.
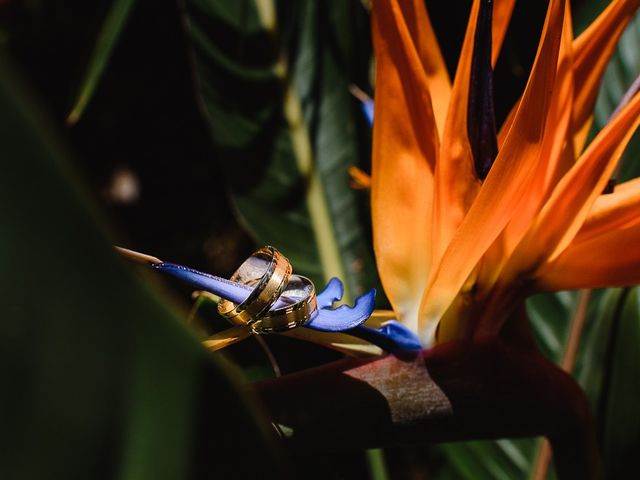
<point x="377" y="464"/>
<point x="544" y="455"/>
<point x="457" y="391"/>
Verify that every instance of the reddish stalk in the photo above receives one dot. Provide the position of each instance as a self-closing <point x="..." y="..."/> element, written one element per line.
<point x="543" y="460"/>
<point x="486" y="389"/>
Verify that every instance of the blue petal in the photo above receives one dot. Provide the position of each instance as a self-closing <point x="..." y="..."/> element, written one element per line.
<point x="236" y="292"/>
<point x="392" y="337"/>
<point x="367" y="109"/>
<point x="332" y="293"/>
<point x="343" y="317"/>
<point x="222" y="287"/>
<point x="401" y="335"/>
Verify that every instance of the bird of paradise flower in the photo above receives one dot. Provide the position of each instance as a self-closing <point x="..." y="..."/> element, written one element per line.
<point x="468" y="221"/>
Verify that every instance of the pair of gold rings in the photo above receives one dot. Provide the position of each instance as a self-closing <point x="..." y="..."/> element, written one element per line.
<point x="269" y="273"/>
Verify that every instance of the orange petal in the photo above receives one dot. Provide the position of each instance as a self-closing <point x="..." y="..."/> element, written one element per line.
<point x="608" y="260"/>
<point x="506" y="183"/>
<point x="557" y="158"/>
<point x="405" y="145"/>
<point x="456" y="183"/>
<point x="620" y="209"/>
<point x="592" y="50"/>
<point x="502" y="11"/>
<point x="413" y="15"/>
<point x="572" y="199"/>
<point x="507" y="124"/>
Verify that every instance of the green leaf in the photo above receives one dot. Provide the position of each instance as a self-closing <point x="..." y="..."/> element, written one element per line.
<point x="503" y="459"/>
<point x="611" y="376"/>
<point x="549" y="315"/>
<point x="99" y="379"/>
<point x="107" y="39"/>
<point x="287" y="140"/>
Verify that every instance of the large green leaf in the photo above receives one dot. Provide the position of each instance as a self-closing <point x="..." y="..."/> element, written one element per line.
<point x="99" y="379"/>
<point x="610" y="374"/>
<point x="274" y="87"/>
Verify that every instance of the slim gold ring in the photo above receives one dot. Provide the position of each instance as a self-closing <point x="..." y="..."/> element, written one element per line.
<point x="301" y="293"/>
<point x="268" y="271"/>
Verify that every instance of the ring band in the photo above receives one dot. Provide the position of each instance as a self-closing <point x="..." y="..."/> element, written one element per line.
<point x="268" y="271"/>
<point x="301" y="291"/>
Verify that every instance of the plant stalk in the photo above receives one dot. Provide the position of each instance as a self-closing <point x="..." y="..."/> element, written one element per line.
<point x="486" y="389"/>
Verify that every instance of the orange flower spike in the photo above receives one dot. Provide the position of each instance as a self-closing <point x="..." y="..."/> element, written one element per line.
<point x="616" y="210"/>
<point x="568" y="207"/>
<point x="456" y="178"/>
<point x="405" y="146"/>
<point x="557" y="154"/>
<point x="456" y="182"/>
<point x="551" y="255"/>
<point x="515" y="164"/>
<point x="417" y="22"/>
<point x="592" y="51"/>
<point x="613" y="225"/>
<point x="608" y="260"/>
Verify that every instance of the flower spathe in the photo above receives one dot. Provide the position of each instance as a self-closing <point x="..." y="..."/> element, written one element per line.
<point x="456" y="251"/>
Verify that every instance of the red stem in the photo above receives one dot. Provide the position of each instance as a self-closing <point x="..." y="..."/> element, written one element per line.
<point x="494" y="390"/>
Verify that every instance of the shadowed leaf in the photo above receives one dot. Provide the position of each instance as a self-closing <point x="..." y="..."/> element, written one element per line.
<point x="101" y="380"/>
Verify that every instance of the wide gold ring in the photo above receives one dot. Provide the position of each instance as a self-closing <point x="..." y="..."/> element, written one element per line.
<point x="301" y="294"/>
<point x="268" y="271"/>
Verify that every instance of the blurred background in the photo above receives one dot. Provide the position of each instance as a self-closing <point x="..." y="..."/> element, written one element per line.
<point x="197" y="130"/>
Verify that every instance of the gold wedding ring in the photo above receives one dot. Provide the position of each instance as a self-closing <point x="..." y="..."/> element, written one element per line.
<point x="301" y="294"/>
<point x="268" y="272"/>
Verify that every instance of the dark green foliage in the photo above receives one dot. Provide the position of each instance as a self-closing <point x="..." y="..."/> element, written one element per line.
<point x="276" y="96"/>
<point x="99" y="378"/>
